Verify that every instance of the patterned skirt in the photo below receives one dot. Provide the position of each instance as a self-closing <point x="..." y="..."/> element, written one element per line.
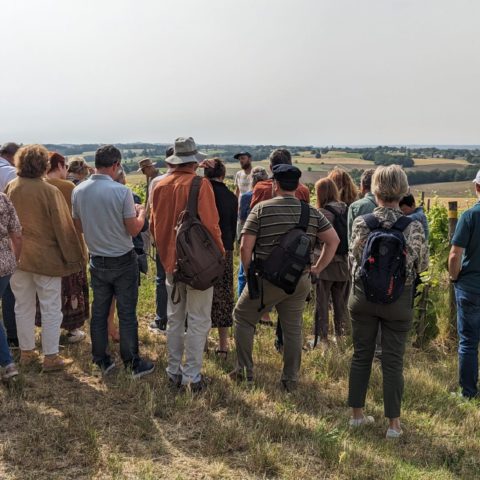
<point x="223" y="299"/>
<point x="75" y="304"/>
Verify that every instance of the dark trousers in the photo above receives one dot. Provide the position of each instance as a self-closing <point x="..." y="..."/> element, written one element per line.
<point x="5" y="355"/>
<point x="339" y="293"/>
<point x="395" y="320"/>
<point x="114" y="276"/>
<point x="161" y="295"/>
<point x="468" y="324"/>
<point x="8" y="313"/>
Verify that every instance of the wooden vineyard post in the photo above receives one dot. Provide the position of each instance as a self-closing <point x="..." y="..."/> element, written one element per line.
<point x="452" y="223"/>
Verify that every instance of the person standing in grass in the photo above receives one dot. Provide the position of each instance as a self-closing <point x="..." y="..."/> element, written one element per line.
<point x="242" y="181"/>
<point x="51" y="250"/>
<point x="364" y="205"/>
<point x="389" y="185"/>
<point x="105" y="212"/>
<point x="10" y="248"/>
<point x="408" y="207"/>
<point x="346" y="187"/>
<point x="267" y="223"/>
<point x="464" y="270"/>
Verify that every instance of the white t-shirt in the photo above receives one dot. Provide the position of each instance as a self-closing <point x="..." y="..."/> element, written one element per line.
<point x="243" y="181"/>
<point x="7" y="173"/>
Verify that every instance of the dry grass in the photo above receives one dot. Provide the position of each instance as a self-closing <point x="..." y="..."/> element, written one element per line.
<point x="439" y="162"/>
<point x="74" y="425"/>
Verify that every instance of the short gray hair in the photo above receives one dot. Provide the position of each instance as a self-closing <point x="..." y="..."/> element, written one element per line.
<point x="390" y="183"/>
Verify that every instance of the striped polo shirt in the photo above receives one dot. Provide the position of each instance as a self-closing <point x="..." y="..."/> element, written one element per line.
<point x="269" y="220"/>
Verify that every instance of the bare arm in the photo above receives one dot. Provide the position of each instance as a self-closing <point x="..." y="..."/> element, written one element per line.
<point x="246" y="249"/>
<point x="455" y="261"/>
<point x="330" y="241"/>
<point x="134" y="225"/>
<point x="16" y="239"/>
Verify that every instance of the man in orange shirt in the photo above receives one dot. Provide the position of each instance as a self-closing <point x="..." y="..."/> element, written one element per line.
<point x="168" y="200"/>
<point x="264" y="190"/>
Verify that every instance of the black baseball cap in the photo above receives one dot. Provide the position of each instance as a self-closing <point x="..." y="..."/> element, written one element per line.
<point x="238" y="155"/>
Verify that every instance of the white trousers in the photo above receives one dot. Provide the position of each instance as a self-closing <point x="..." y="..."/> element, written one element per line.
<point x="197" y="306"/>
<point x="25" y="287"/>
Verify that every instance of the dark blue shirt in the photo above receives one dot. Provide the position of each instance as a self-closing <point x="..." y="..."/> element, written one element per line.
<point x="467" y="236"/>
<point x="244" y="209"/>
<point x="419" y="214"/>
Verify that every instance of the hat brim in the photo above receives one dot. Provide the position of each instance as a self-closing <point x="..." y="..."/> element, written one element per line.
<point x="176" y="160"/>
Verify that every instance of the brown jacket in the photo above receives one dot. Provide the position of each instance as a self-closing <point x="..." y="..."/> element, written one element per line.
<point x="50" y="243"/>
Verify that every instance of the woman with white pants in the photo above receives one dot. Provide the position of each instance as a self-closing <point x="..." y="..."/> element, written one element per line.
<point x="51" y="250"/>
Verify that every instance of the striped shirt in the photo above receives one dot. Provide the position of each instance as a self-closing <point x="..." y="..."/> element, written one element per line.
<point x="271" y="219"/>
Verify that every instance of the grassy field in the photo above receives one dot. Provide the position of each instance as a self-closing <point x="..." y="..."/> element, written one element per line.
<point x="75" y="425"/>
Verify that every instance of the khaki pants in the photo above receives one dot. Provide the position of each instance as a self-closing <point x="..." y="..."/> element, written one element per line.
<point x="290" y="309"/>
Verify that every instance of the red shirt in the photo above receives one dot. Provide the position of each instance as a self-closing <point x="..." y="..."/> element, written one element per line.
<point x="264" y="191"/>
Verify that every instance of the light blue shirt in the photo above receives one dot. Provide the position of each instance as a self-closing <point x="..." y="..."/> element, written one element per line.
<point x="101" y="205"/>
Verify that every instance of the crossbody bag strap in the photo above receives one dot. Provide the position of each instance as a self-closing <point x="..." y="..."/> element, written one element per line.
<point x="192" y="204"/>
<point x="304" y="216"/>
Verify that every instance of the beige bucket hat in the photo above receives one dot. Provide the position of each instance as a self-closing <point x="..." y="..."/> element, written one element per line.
<point x="185" y="151"/>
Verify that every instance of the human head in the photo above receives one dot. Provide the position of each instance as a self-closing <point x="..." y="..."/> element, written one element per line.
<point x="389" y="184"/>
<point x="366" y="181"/>
<point x="245" y="160"/>
<point x="120" y="176"/>
<point x="107" y="156"/>
<point x="280" y="156"/>
<point x="185" y="151"/>
<point x="31" y="161"/>
<point x="8" y="151"/>
<point x="259" y="174"/>
<point x="77" y="167"/>
<point x="326" y="191"/>
<point x="476" y="181"/>
<point x="216" y="172"/>
<point x="57" y="165"/>
<point x="407" y="204"/>
<point x="285" y="178"/>
<point x="147" y="168"/>
<point x="345" y="185"/>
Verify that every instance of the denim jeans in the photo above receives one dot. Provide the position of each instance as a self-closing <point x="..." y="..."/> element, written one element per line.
<point x="5" y="355"/>
<point x="161" y="294"/>
<point x="114" y="276"/>
<point x="8" y="312"/>
<point x="468" y="324"/>
<point x="242" y="279"/>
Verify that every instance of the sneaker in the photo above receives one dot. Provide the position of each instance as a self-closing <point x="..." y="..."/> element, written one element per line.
<point x="54" y="363"/>
<point x="10" y="371"/>
<point x="142" y="368"/>
<point x="359" y="422"/>
<point x="106" y="366"/>
<point x="175" y="381"/>
<point x="392" y="433"/>
<point x="29" y="357"/>
<point x="75" y="336"/>
<point x="158" y="328"/>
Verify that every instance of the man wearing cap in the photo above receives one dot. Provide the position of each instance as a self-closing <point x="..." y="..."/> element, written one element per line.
<point x="243" y="178"/>
<point x="265" y="225"/>
<point x="7" y="173"/>
<point x="464" y="270"/>
<point x="169" y="199"/>
<point x="263" y="190"/>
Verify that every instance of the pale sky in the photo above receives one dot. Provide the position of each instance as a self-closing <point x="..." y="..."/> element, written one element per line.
<point x="294" y="72"/>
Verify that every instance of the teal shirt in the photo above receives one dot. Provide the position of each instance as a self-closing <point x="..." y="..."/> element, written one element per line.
<point x="467" y="236"/>
<point x="361" y="207"/>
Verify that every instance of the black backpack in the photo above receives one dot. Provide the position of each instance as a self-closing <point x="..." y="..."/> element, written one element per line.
<point x="384" y="260"/>
<point x="340" y="225"/>
<point x="288" y="260"/>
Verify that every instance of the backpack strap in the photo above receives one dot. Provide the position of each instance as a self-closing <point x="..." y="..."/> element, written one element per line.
<point x="304" y="216"/>
<point x="330" y="209"/>
<point x="192" y="203"/>
<point x="371" y="220"/>
<point x="402" y="223"/>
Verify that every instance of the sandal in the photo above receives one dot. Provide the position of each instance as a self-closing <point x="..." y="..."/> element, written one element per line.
<point x="223" y="354"/>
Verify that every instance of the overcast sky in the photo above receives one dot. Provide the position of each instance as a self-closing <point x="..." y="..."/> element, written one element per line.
<point x="293" y="72"/>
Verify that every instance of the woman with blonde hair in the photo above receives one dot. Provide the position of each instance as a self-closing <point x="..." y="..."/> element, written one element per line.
<point x="333" y="282"/>
<point x="346" y="187"/>
<point x="51" y="250"/>
<point x="381" y="308"/>
<point x="78" y="170"/>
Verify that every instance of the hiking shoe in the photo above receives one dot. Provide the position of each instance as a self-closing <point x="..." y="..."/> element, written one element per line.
<point x="54" y="363"/>
<point x="392" y="433"/>
<point x="288" y="386"/>
<point x="75" y="336"/>
<point x="28" y="357"/>
<point x="174" y="381"/>
<point x="158" y="328"/>
<point x="141" y="368"/>
<point x="359" y="422"/>
<point x="10" y="371"/>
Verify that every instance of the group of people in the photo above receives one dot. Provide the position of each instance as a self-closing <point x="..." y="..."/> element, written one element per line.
<point x="59" y="216"/>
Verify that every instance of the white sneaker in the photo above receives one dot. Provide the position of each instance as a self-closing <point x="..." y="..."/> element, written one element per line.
<point x="10" y="371"/>
<point x="359" y="422"/>
<point x="392" y="433"/>
<point x="76" y="336"/>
